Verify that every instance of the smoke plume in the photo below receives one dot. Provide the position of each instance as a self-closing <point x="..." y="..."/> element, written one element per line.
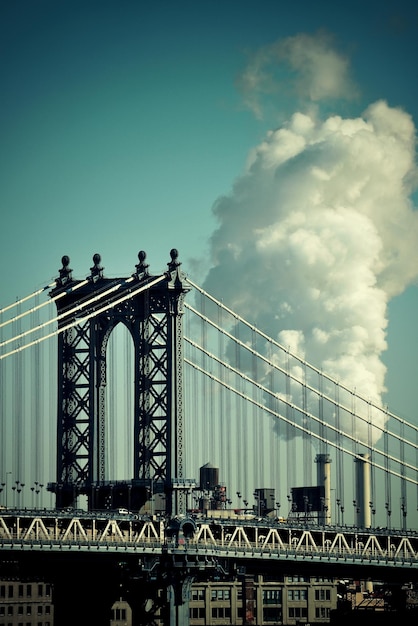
<point x="320" y="232"/>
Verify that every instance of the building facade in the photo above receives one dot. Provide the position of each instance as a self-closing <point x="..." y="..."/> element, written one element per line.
<point x="121" y="613"/>
<point x="273" y="599"/>
<point x="26" y="603"/>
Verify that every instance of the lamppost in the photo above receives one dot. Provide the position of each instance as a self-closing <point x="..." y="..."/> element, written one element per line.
<point x="403" y="512"/>
<point x="239" y="499"/>
<point x="5" y="486"/>
<point x="36" y="489"/>
<point x="388" y="514"/>
<point x="18" y="486"/>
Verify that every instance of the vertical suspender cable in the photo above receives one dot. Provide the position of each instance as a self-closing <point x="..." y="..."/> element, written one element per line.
<point x="17" y="412"/>
<point x="113" y="439"/>
<point x="388" y="484"/>
<point x="52" y="413"/>
<point x="203" y="339"/>
<point x="307" y="448"/>
<point x="373" y="491"/>
<point x="230" y="432"/>
<point x="128" y="378"/>
<point x="3" y="413"/>
<point x="273" y="439"/>
<point x="257" y="425"/>
<point x="353" y="435"/>
<point x="403" y="481"/>
<point x="38" y="422"/>
<point x="416" y="465"/>
<point x="321" y="413"/>
<point x="241" y="464"/>
<point x="222" y="418"/>
<point x="340" y="458"/>
<point x="290" y="436"/>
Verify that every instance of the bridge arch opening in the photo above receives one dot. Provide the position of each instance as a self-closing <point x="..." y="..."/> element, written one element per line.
<point x="119" y="405"/>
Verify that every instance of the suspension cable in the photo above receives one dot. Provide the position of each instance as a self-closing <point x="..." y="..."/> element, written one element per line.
<point x="295" y="378"/>
<point x="293" y="355"/>
<point x="31" y="295"/>
<point x="297" y="426"/>
<point x="72" y="310"/>
<point x="84" y="318"/>
<point x="291" y="406"/>
<point x="40" y="306"/>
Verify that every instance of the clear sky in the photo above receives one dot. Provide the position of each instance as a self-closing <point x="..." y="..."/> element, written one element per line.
<point x="123" y="123"/>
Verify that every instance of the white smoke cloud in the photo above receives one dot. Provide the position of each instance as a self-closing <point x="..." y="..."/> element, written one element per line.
<point x="305" y="65"/>
<point x="320" y="232"/>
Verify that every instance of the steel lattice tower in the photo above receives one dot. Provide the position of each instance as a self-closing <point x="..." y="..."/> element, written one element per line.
<point x="151" y="308"/>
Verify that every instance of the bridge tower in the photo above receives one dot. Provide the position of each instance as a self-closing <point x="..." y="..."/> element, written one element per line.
<point x="151" y="308"/>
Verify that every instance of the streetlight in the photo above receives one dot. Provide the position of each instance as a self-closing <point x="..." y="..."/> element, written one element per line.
<point x="18" y="489"/>
<point x="5" y="486"/>
<point x="36" y="489"/>
<point x="388" y="514"/>
<point x="403" y="512"/>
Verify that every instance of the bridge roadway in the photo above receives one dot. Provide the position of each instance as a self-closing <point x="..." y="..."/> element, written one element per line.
<point x="236" y="539"/>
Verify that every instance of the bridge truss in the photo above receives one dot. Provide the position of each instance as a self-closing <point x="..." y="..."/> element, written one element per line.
<point x="228" y="538"/>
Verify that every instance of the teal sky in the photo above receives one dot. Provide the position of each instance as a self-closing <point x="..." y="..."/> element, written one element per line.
<point x="121" y="124"/>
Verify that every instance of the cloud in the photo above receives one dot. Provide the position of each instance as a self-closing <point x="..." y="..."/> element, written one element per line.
<point x="318" y="234"/>
<point x="307" y="66"/>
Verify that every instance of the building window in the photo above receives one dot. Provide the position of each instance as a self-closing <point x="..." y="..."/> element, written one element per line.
<point x="10" y="591"/>
<point x="297" y="579"/>
<point x="297" y="594"/>
<point x="28" y="591"/>
<point x="221" y="612"/>
<point x="273" y="615"/>
<point x="119" y="614"/>
<point x="323" y="594"/>
<point x="272" y="596"/>
<point x="198" y="594"/>
<point x="221" y="594"/>
<point x="197" y="612"/>
<point x="322" y="612"/>
<point x="297" y="611"/>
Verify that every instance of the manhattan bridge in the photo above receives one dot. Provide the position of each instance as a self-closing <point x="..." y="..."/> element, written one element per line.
<point x="148" y="428"/>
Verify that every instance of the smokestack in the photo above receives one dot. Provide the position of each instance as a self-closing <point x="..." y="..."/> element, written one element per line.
<point x="362" y="502"/>
<point x="323" y="472"/>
